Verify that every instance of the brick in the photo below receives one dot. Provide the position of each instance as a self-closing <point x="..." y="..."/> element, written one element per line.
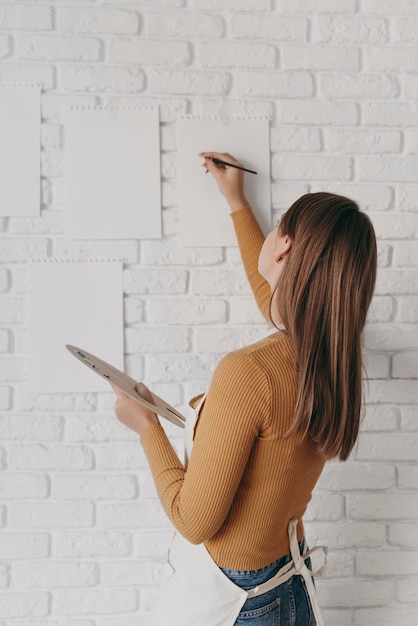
<point x="164" y="4"/>
<point x="361" y="141"/>
<point x="295" y="167"/>
<point x="391" y="391"/>
<point x="102" y="79"/>
<point x="54" y="622"/>
<point x="121" y="456"/>
<point x="171" y="252"/>
<point x="193" y="82"/>
<point x="404" y="29"/>
<point x="274" y="27"/>
<point x="387" y="168"/>
<point x="54" y="574"/>
<point x="19" y="486"/>
<point x="353" y="29"/>
<point x="375" y="506"/>
<point x="325" y="507"/>
<point x="389" y="113"/>
<point x="405" y="365"/>
<point x="356" y="476"/>
<point x="136" y="515"/>
<point x="406" y="197"/>
<point x="386" y="7"/>
<point x="342" y="617"/>
<point x="380" y="418"/>
<point x="409" y="418"/>
<point x="5" y="397"/>
<point x="406" y="590"/>
<point x="359" y="86"/>
<point x="370" y="197"/>
<point x="273" y="84"/>
<point x="320" y="58"/>
<point x="55" y="457"/>
<point x="5" y="340"/>
<point x="222" y="340"/>
<point x="92" y="20"/>
<point x="133" y="310"/>
<point x="340" y="564"/>
<point x="390" y="336"/>
<point x="187" y="368"/>
<point x="24" y="546"/>
<point x="294" y="139"/>
<point x="244" y="311"/>
<point x="318" y="112"/>
<point x="93" y="487"/>
<point x="391" y="58"/>
<point x="18" y="250"/>
<point x="396" y="282"/>
<point x="4" y="280"/>
<point x="96" y="429"/>
<point x="236" y="55"/>
<point x="25" y="72"/>
<point x="149" y="52"/>
<point x="35" y="428"/>
<point x="25" y="17"/>
<point x="93" y="601"/>
<point x="391" y="225"/>
<point x="342" y="535"/>
<point x="382" y="562"/>
<point x="154" y="543"/>
<point x="231" y="5"/>
<point x="386" y="447"/>
<point x="16" y="604"/>
<point x="387" y="616"/>
<point x="358" y="593"/>
<point x="51" y="138"/>
<point x="190" y="24"/>
<point x="408" y="474"/>
<point x="235" y="108"/>
<point x="404" y="535"/>
<point x="187" y="311"/>
<point x="73" y="514"/>
<point x="128" y="573"/>
<point x="149" y="339"/>
<point x="126" y="251"/>
<point x="218" y="282"/>
<point x="405" y="254"/>
<point x="4" y="575"/>
<point x="411" y="142"/>
<point x="152" y="281"/>
<point x="90" y="544"/>
<point x="5" y="46"/>
<point x="56" y="48"/>
<point x="313" y="6"/>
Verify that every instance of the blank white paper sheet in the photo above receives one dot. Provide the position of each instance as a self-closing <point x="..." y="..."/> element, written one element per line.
<point x="73" y="302"/>
<point x="20" y="160"/>
<point x="204" y="214"/>
<point x="112" y="168"/>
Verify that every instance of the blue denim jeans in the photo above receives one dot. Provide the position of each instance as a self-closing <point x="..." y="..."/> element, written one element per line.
<point x="286" y="605"/>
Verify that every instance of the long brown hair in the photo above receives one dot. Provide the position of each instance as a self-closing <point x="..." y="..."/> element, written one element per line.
<point x="323" y="295"/>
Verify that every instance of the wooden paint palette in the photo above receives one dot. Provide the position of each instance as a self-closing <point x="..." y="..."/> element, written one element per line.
<point x="126" y="384"/>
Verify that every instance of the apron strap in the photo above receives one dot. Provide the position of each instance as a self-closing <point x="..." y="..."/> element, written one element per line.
<point x="296" y="566"/>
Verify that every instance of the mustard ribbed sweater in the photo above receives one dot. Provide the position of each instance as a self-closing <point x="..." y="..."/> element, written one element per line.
<point x="244" y="481"/>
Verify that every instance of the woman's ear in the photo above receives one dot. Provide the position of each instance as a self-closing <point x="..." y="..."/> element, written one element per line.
<point x="283" y="248"/>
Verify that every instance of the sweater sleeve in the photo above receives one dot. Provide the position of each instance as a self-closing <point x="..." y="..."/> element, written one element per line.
<point x="250" y="240"/>
<point x="197" y="499"/>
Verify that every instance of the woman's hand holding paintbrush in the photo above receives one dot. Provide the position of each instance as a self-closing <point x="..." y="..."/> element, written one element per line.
<point x="229" y="175"/>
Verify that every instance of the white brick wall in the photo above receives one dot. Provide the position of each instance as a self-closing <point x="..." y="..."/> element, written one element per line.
<point x="82" y="536"/>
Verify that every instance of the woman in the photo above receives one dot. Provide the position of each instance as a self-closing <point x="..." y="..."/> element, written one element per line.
<point x="274" y="413"/>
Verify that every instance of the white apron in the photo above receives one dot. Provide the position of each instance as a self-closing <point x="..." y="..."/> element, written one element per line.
<point x="195" y="592"/>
